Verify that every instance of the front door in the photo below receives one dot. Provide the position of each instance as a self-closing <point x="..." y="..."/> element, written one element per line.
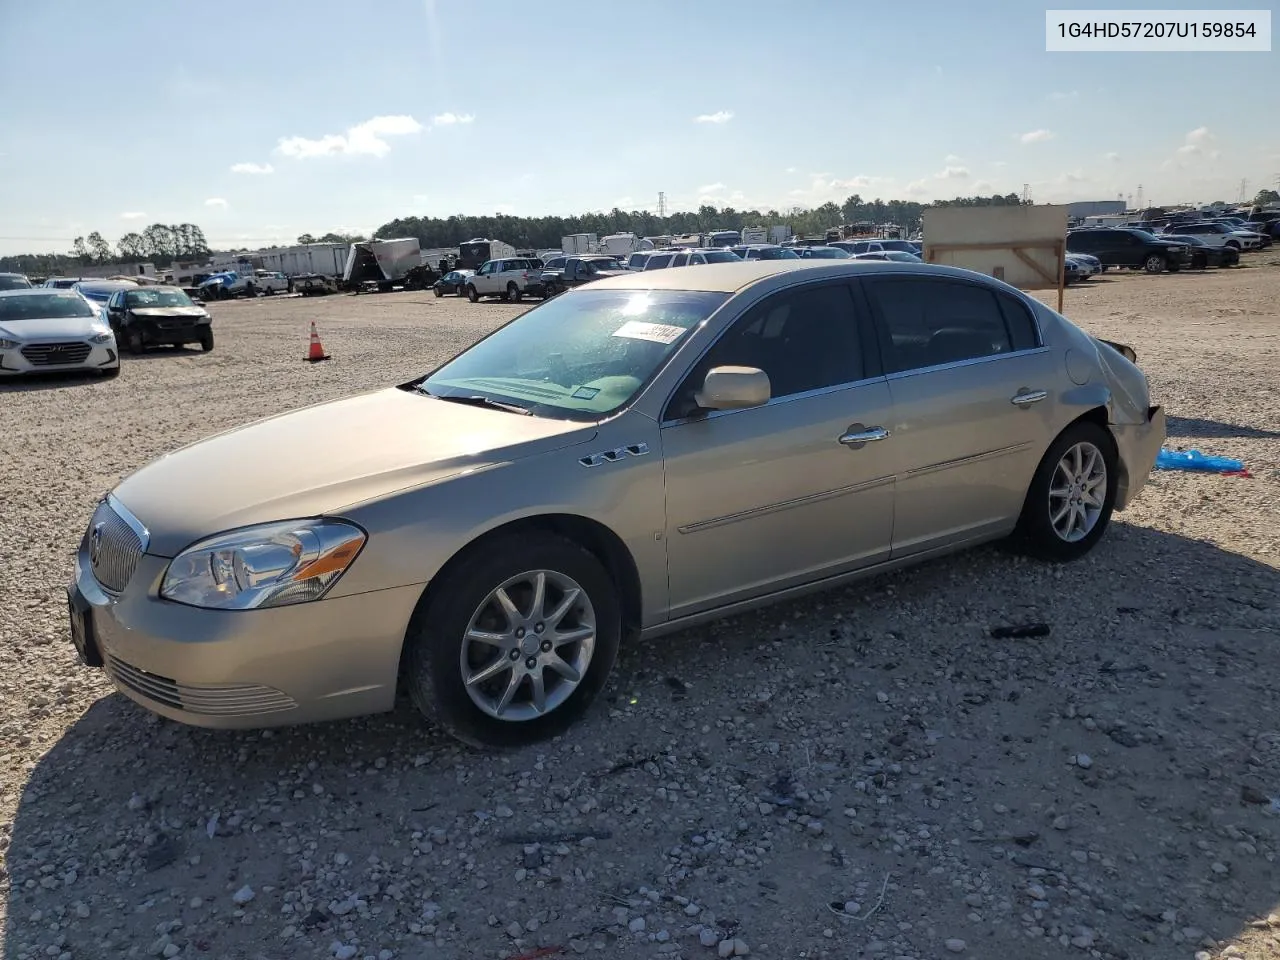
<point x="792" y="491"/>
<point x="973" y="406"/>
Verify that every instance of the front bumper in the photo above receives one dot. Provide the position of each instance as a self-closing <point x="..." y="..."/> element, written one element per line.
<point x="162" y="332"/>
<point x="70" y="356"/>
<point x="538" y="289"/>
<point x="232" y="669"/>
<point x="1139" y="445"/>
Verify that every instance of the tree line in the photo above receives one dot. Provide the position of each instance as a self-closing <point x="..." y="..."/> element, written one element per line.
<point x="159" y="243"/>
<point x="545" y="232"/>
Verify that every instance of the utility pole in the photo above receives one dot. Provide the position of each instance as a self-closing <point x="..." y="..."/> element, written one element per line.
<point x="1026" y="193"/>
<point x="1244" y="187"/>
<point x="662" y="205"/>
<point x="1139" y="207"/>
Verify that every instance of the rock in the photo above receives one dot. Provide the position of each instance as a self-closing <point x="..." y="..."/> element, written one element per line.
<point x="1083" y="939"/>
<point x="243" y="895"/>
<point x="740" y="948"/>
<point x="171" y="951"/>
<point x="1084" y="761"/>
<point x="1062" y="823"/>
<point x="956" y="945"/>
<point x="852" y="907"/>
<point x="708" y="937"/>
<point x="504" y="813"/>
<point x="725" y="949"/>
<point x="636" y="925"/>
<point x="882" y="697"/>
<point x="1252" y="795"/>
<point x="344" y="951"/>
<point x="514" y="929"/>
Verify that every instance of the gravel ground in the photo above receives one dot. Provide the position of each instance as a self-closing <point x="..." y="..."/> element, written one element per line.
<point x="865" y="773"/>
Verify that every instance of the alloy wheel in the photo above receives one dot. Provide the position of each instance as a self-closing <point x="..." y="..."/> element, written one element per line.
<point x="528" y="646"/>
<point x="1078" y="492"/>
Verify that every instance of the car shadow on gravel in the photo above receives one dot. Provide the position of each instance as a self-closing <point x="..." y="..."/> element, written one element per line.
<point x="32" y="382"/>
<point x="1194" y="427"/>
<point x="1108" y="782"/>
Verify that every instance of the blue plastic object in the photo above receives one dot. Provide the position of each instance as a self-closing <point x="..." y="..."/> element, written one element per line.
<point x="1195" y="460"/>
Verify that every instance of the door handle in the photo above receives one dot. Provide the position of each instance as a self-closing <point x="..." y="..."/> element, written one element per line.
<point x="858" y="435"/>
<point x="1028" y="397"/>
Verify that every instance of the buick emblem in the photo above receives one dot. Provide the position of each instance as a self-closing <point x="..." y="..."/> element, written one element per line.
<point x="95" y="542"/>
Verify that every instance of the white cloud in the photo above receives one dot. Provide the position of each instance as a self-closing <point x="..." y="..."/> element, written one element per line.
<point x="916" y="188"/>
<point x="253" y="168"/>
<point x="791" y="169"/>
<point x="363" y="139"/>
<point x="1062" y="97"/>
<point x="450" y="119"/>
<point x="1037" y="136"/>
<point x="132" y="215"/>
<point x="720" y="116"/>
<point x="954" y="173"/>
<point x="952" y="158"/>
<point x="1197" y="141"/>
<point x="1112" y="156"/>
<point x="623" y="203"/>
<point x="854" y="183"/>
<point x="980" y="187"/>
<point x="711" y="188"/>
<point x="216" y="202"/>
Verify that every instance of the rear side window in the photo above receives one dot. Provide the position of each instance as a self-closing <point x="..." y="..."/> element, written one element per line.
<point x="933" y="322"/>
<point x="658" y="261"/>
<point x="1022" y="325"/>
<point x="680" y="260"/>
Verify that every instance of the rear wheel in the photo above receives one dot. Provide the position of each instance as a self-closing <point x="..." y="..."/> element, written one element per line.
<point x="250" y="290"/>
<point x="513" y="293"/>
<point x="134" y="343"/>
<point x="1155" y="263"/>
<point x="472" y="294"/>
<point x="516" y="642"/>
<point x="1072" y="494"/>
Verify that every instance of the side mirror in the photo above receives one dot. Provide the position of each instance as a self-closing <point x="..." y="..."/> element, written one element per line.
<point x="733" y="388"/>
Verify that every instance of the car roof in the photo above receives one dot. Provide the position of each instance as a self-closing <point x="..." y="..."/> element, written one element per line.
<point x="732" y="277"/>
<point x="36" y="292"/>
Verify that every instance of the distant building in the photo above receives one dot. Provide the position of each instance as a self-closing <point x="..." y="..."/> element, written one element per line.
<point x="1094" y="208"/>
<point x="114" y="270"/>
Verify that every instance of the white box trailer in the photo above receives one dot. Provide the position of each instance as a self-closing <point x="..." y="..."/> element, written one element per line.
<point x="324" y="259"/>
<point x="578" y="243"/>
<point x="619" y="244"/>
<point x="755" y="235"/>
<point x="384" y="262"/>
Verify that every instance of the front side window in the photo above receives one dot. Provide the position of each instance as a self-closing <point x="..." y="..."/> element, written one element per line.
<point x="680" y="260"/>
<point x="930" y="322"/>
<point x="577" y="358"/>
<point x="803" y="340"/>
<point x="720" y="256"/>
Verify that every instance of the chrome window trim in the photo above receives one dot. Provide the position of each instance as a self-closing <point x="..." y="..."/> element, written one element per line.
<point x="954" y="364"/>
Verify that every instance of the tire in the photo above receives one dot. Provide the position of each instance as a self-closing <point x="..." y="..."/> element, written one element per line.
<point x="1036" y="531"/>
<point x="438" y="291"/>
<point x="250" y="290"/>
<point x="206" y="341"/>
<point x="1200" y="262"/>
<point x="472" y="294"/>
<point x="437" y="651"/>
<point x="513" y="293"/>
<point x="133" y="342"/>
<point x="1155" y="263"/>
<point x="1233" y="244"/>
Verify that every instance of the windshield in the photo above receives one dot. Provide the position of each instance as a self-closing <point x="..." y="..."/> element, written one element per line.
<point x="100" y="294"/>
<point x="577" y="357"/>
<point x="606" y="264"/>
<point x="903" y="256"/>
<point x="828" y="253"/>
<point x="721" y="256"/>
<point x="157" y="298"/>
<point x="44" y="306"/>
<point x="778" y="253"/>
<point x="10" y="281"/>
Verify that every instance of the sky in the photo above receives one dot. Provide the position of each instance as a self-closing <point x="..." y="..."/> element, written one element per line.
<point x="329" y="115"/>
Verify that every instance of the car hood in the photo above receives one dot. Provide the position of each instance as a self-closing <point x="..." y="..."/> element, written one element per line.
<point x="55" y="328"/>
<point x="320" y="459"/>
<point x="168" y="311"/>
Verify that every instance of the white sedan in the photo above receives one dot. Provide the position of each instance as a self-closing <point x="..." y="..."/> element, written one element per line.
<point x="54" y="331"/>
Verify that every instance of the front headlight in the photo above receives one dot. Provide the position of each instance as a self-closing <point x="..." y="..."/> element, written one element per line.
<point x="106" y="337"/>
<point x="8" y="344"/>
<point x="268" y="565"/>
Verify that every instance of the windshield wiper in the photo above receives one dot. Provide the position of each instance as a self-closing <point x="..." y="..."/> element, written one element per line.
<point x="478" y="401"/>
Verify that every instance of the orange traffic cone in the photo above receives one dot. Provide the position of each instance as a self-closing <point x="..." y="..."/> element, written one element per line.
<point x="315" y="352"/>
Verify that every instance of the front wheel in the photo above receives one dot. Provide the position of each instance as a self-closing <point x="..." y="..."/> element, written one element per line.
<point x="1154" y="263"/>
<point x="473" y="294"/>
<point x="438" y="291"/>
<point x="516" y="643"/>
<point x="112" y="373"/>
<point x="1072" y="494"/>
<point x="134" y="343"/>
<point x="206" y="341"/>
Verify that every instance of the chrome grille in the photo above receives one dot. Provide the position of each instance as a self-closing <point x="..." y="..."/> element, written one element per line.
<point x="211" y="700"/>
<point x="54" y="354"/>
<point x="114" y="548"/>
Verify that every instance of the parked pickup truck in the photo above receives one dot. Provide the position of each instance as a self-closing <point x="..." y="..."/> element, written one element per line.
<point x="511" y="278"/>
<point x="575" y="271"/>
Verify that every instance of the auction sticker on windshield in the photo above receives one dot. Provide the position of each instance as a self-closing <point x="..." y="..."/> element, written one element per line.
<point x="655" y="332"/>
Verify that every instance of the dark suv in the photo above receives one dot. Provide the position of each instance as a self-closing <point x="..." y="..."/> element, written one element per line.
<point x="1127" y="247"/>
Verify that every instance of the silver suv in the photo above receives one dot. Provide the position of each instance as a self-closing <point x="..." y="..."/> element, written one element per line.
<point x="511" y="279"/>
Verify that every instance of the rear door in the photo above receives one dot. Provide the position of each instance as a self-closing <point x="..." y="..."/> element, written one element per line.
<point x="974" y="407"/>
